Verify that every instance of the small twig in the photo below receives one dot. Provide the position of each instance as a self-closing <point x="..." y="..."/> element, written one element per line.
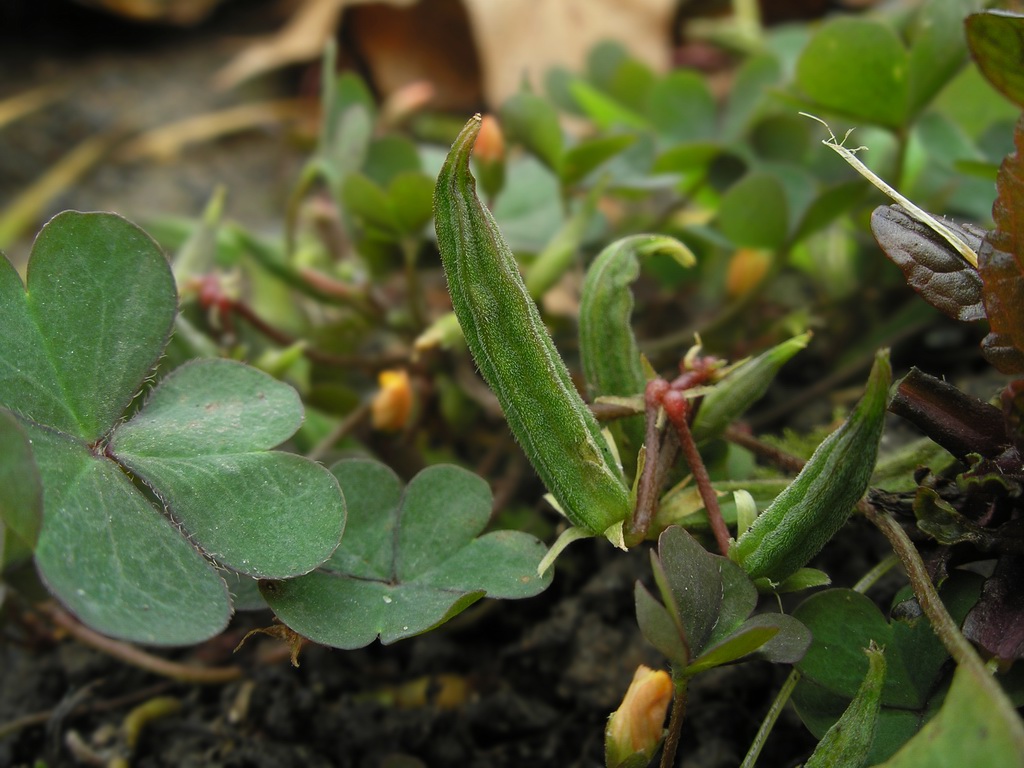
<point x="346" y="425"/>
<point x="675" y="725"/>
<point x="129" y="654"/>
<point x="781" y="459"/>
<point x="648" y="486"/>
<point x="39" y="718"/>
<point x="278" y="336"/>
<point x="607" y="411"/>
<point x="678" y="417"/>
<point x="943" y="625"/>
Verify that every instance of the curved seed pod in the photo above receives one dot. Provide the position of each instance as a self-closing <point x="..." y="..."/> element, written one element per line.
<point x="743" y="387"/>
<point x="608" y="349"/>
<point x="820" y="499"/>
<point x="516" y="356"/>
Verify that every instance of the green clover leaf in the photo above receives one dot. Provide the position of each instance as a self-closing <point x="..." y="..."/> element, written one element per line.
<point x="125" y="504"/>
<point x="411" y="559"/>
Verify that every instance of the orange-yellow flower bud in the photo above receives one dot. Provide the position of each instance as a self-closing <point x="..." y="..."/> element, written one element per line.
<point x="747" y="268"/>
<point x="489" y="156"/>
<point x="638" y="724"/>
<point x="490" y="142"/>
<point x="392" y="404"/>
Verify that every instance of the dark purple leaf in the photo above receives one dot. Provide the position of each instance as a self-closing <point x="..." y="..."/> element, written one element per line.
<point x="1012" y="399"/>
<point x="929" y="264"/>
<point x="693" y="581"/>
<point x="791" y="642"/>
<point x="960" y="423"/>
<point x="657" y="625"/>
<point x="997" y="621"/>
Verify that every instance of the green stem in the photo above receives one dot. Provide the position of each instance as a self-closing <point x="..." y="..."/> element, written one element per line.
<point x="770" y="719"/>
<point x="900" y="162"/>
<point x="868" y="580"/>
<point x="410" y="255"/>
<point x="675" y="724"/>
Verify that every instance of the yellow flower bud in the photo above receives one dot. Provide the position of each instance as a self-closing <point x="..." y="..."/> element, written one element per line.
<point x="490" y="142"/>
<point x="747" y="268"/>
<point x="392" y="404"/>
<point x="638" y="724"/>
<point x="489" y="154"/>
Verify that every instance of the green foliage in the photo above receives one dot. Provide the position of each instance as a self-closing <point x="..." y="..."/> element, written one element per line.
<point x="815" y="505"/>
<point x="844" y="623"/>
<point x="410" y="560"/>
<point x="964" y="731"/>
<point x="847" y="743"/>
<point x="609" y="355"/>
<point x="514" y="351"/>
<point x="742" y="387"/>
<point x="79" y="353"/>
<point x="21" y="505"/>
<point x="704" y="618"/>
<point x="996" y="44"/>
<point x="757" y="191"/>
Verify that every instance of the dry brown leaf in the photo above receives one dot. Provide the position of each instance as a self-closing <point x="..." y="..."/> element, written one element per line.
<point x="166" y="142"/>
<point x="23" y="212"/>
<point x="302" y="39"/>
<point x="428" y="41"/>
<point x="470" y="50"/>
<point x="21" y="104"/>
<point x="526" y="38"/>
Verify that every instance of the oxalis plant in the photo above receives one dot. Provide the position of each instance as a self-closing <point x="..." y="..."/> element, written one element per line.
<point x="151" y="500"/>
<point x="144" y="511"/>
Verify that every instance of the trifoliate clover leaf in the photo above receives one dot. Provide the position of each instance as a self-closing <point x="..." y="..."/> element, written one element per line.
<point x="77" y="344"/>
<point x="411" y="559"/>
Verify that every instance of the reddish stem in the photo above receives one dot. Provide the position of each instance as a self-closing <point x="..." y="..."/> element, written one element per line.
<point x="677" y="409"/>
<point x="130" y="654"/>
<point x="227" y="308"/>
<point x="647" y="487"/>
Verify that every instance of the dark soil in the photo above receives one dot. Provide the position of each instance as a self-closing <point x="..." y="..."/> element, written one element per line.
<point x="540" y="677"/>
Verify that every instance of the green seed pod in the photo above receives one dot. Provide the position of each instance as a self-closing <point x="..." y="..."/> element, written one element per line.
<point x="815" y="505"/>
<point x="611" y="359"/>
<point x="608" y="350"/>
<point x="515" y="354"/>
<point x="743" y="387"/>
<point x="849" y="740"/>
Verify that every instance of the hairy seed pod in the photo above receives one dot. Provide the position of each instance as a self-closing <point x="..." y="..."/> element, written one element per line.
<point x="515" y="354"/>
<point x="608" y="350"/>
<point x="815" y="505"/>
<point x="743" y="387"/>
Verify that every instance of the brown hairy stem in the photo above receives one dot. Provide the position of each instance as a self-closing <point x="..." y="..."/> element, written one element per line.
<point x="130" y="654"/>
